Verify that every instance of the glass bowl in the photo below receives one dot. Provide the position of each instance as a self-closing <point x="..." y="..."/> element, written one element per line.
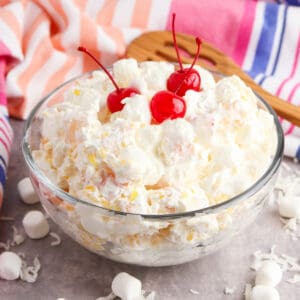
<point x="148" y="240"/>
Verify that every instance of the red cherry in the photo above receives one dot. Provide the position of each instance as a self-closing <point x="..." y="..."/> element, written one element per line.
<point x="114" y="99"/>
<point x="192" y="81"/>
<point x="184" y="79"/>
<point x="167" y="105"/>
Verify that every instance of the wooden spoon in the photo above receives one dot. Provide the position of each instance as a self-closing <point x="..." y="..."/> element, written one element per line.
<point x="158" y="45"/>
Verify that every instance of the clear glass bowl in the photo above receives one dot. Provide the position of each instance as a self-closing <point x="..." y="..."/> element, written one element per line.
<point x="148" y="240"/>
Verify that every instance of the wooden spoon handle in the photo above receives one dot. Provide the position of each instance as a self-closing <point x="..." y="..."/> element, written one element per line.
<point x="158" y="45"/>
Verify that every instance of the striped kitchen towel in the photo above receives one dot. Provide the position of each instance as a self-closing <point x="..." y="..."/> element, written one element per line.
<point x="39" y="38"/>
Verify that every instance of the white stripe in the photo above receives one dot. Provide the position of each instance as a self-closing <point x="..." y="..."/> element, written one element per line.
<point x="75" y="70"/>
<point x="10" y="40"/>
<point x="276" y="41"/>
<point x="107" y="46"/>
<point x="123" y="13"/>
<point x="93" y="7"/>
<point x="36" y="85"/>
<point x="17" y="10"/>
<point x="296" y="133"/>
<point x="71" y="36"/>
<point x="255" y="35"/>
<point x="30" y="15"/>
<point x="8" y="137"/>
<point x="291" y="146"/>
<point x="3" y="112"/>
<point x="13" y="89"/>
<point x="2" y="165"/>
<point x="287" y="56"/>
<point x="4" y="138"/>
<point x="130" y="34"/>
<point x="258" y="77"/>
<point x="4" y="153"/>
<point x="158" y="16"/>
<point x="7" y="127"/>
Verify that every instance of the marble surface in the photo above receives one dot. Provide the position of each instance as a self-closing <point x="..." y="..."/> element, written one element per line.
<point x="71" y="272"/>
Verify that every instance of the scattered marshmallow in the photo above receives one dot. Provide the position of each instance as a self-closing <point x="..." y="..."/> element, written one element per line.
<point x="289" y="207"/>
<point x="262" y="292"/>
<point x="269" y="274"/>
<point x="30" y="273"/>
<point x="10" y="265"/>
<point x="35" y="224"/>
<point x="57" y="239"/>
<point x="126" y="286"/>
<point x="26" y="191"/>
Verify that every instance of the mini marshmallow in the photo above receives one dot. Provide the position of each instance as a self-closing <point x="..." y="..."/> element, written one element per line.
<point x="289" y="207"/>
<point x="262" y="292"/>
<point x="35" y="224"/>
<point x="126" y="286"/>
<point x="269" y="274"/>
<point x="26" y="191"/>
<point x="10" y="265"/>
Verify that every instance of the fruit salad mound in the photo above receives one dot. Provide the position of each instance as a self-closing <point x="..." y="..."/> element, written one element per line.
<point x="127" y="161"/>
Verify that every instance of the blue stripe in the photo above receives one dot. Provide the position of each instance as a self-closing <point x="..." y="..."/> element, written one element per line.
<point x="3" y="161"/>
<point x="279" y="47"/>
<point x="266" y="40"/>
<point x="2" y="176"/>
<point x="298" y="153"/>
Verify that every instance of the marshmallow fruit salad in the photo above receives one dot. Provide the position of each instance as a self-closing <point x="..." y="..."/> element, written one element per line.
<point x="127" y="161"/>
<point x="152" y="163"/>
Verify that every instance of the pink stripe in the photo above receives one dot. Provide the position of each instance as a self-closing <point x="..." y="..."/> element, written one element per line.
<point x="294" y="90"/>
<point x="8" y="138"/>
<point x="5" y="145"/>
<point x="290" y="130"/>
<point x="244" y="32"/>
<point x="290" y="98"/>
<point x="4" y="51"/>
<point x="293" y="70"/>
<point x="7" y="126"/>
<point x="2" y="81"/>
<point x="210" y="20"/>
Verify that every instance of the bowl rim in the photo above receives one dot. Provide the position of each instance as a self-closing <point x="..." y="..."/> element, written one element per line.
<point x="255" y="187"/>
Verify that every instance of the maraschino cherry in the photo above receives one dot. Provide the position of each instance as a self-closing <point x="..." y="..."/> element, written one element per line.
<point x="114" y="99"/>
<point x="190" y="82"/>
<point x="167" y="105"/>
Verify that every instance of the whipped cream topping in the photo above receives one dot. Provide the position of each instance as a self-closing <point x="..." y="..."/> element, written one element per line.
<point x="124" y="162"/>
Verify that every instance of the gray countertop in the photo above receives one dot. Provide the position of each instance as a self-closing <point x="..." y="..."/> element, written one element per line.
<point x="71" y="272"/>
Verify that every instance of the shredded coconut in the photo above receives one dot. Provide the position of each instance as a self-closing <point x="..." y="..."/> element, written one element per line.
<point x="194" y="292"/>
<point x="111" y="296"/>
<point x="5" y="246"/>
<point x="294" y="279"/>
<point x="18" y="238"/>
<point x="57" y="239"/>
<point x="30" y="273"/>
<point x="248" y="289"/>
<point x="229" y="291"/>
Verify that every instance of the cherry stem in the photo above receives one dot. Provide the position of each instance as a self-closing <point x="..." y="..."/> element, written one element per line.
<point x="199" y="42"/>
<point x="175" y="42"/>
<point x="83" y="49"/>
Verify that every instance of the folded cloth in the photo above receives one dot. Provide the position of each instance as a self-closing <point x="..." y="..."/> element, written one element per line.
<point x="42" y="37"/>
